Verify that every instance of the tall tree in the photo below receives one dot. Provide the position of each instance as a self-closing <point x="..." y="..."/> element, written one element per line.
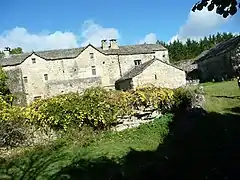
<point x="191" y="48"/>
<point x="223" y="7"/>
<point x="17" y="50"/>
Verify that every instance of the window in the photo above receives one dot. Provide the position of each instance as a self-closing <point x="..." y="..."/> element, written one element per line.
<point x="25" y="79"/>
<point x="45" y="77"/>
<point x="155" y="76"/>
<point x="33" y="60"/>
<point x="137" y="62"/>
<point x="163" y="55"/>
<point x="91" y="55"/>
<point x="94" y="70"/>
<point x="36" y="98"/>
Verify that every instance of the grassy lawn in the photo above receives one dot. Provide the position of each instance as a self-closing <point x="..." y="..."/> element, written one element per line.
<point x="221" y="97"/>
<point x="42" y="164"/>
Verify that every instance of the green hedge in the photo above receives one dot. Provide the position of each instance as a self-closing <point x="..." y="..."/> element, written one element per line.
<point x="100" y="108"/>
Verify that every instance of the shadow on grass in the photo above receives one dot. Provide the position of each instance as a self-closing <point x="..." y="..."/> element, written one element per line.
<point x="229" y="97"/>
<point x="200" y="145"/>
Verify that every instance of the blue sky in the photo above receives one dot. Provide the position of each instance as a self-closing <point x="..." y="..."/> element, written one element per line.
<point x="49" y="24"/>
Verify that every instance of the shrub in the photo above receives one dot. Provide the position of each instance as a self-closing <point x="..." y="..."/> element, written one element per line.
<point x="57" y="112"/>
<point x="100" y="108"/>
<point x="12" y="127"/>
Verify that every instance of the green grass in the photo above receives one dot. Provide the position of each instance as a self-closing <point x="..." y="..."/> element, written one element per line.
<point x="222" y="96"/>
<point x="109" y="144"/>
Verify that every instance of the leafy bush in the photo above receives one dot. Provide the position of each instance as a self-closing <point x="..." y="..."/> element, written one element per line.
<point x="12" y="129"/>
<point x="100" y="108"/>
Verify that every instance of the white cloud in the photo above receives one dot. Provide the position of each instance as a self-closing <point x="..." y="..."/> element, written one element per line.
<point x="20" y="37"/>
<point x="150" y="38"/>
<point x="199" y="24"/>
<point x="91" y="33"/>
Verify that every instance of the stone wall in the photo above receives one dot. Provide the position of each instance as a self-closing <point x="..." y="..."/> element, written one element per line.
<point x="217" y="68"/>
<point x="15" y="84"/>
<point x="161" y="75"/>
<point x="145" y="115"/>
<point x="74" y="85"/>
<point x="220" y="67"/>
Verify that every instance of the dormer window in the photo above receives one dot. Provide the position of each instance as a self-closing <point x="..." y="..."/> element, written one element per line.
<point x="91" y="55"/>
<point x="33" y="60"/>
<point x="137" y="62"/>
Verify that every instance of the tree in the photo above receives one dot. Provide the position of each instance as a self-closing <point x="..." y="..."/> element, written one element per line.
<point x="4" y="90"/>
<point x="223" y="7"/>
<point x="17" y="50"/>
<point x="191" y="48"/>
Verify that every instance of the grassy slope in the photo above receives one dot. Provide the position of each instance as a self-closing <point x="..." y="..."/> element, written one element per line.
<point x="221" y="96"/>
<point x="147" y="137"/>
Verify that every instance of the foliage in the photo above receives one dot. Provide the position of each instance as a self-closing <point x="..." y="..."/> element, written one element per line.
<point x="17" y="50"/>
<point x="12" y="132"/>
<point x="223" y="7"/>
<point x="179" y="50"/>
<point x="4" y="90"/>
<point x="3" y="86"/>
<point x="99" y="108"/>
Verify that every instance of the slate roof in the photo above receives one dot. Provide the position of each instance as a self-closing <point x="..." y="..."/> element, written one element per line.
<point x="220" y="48"/>
<point x="140" y="68"/>
<point x="74" y="52"/>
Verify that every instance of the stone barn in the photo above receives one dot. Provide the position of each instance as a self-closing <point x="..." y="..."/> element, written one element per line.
<point x="220" y="62"/>
<point x="156" y="72"/>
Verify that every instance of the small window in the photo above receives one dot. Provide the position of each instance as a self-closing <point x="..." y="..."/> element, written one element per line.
<point x="163" y="55"/>
<point x="94" y="70"/>
<point x="91" y="55"/>
<point x="25" y="79"/>
<point x="33" y="60"/>
<point x="37" y="97"/>
<point x="155" y="76"/>
<point x="137" y="62"/>
<point x="46" y="77"/>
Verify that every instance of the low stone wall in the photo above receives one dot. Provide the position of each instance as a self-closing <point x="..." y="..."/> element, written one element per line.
<point x="193" y="82"/>
<point x="145" y="115"/>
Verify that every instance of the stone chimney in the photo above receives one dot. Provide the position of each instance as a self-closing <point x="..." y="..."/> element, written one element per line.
<point x="6" y="52"/>
<point x="113" y="44"/>
<point x="104" y="44"/>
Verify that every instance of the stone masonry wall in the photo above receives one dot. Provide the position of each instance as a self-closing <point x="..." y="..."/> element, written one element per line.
<point x="15" y="84"/>
<point x="74" y="85"/>
<point x="146" y="115"/>
<point x="162" y="75"/>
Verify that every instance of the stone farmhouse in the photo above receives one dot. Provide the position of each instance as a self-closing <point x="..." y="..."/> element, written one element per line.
<point x="44" y="74"/>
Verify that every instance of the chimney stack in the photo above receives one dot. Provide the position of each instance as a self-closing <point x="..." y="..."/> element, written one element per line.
<point x="104" y="44"/>
<point x="6" y="52"/>
<point x="113" y="44"/>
